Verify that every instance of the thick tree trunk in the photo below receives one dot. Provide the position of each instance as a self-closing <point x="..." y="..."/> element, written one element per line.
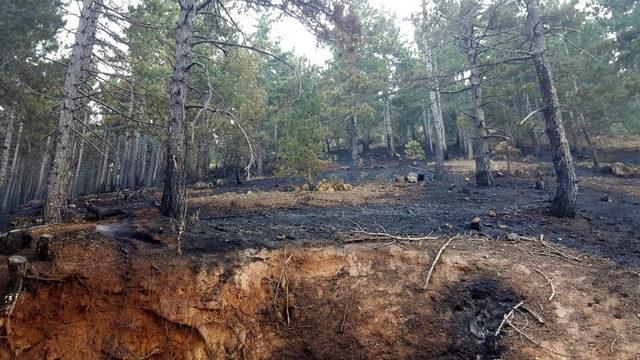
<point x="564" y="202"/>
<point x="6" y="147"/>
<point x="484" y="177"/>
<point x="58" y="183"/>
<point x="388" y="130"/>
<point x="174" y="193"/>
<point x="354" y="142"/>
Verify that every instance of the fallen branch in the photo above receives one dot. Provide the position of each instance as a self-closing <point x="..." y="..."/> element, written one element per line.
<point x="562" y="254"/>
<point x="282" y="282"/>
<point x="385" y="234"/>
<point x="433" y="265"/>
<point x="506" y="317"/>
<point x="532" y="340"/>
<point x="549" y="282"/>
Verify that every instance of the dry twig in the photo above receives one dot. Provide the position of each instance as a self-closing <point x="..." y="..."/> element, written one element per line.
<point x="385" y="235"/>
<point x="433" y="265"/>
<point x="549" y="282"/>
<point x="506" y="317"/>
<point x="557" y="251"/>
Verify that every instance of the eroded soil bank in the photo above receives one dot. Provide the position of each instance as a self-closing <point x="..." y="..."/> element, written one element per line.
<point x="102" y="298"/>
<point x="267" y="272"/>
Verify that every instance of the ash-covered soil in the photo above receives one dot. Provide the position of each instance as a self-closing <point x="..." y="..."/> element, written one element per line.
<point x="268" y="271"/>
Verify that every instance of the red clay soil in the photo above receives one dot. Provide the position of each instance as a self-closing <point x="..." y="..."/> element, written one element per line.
<point x="102" y="298"/>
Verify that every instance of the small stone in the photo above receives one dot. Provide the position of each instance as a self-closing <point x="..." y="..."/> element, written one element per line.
<point x="467" y="179"/>
<point x="412" y="178"/>
<point x="399" y="179"/>
<point x="452" y="186"/>
<point x="415" y="164"/>
<point x="475" y="224"/>
<point x="513" y="237"/>
<point x="219" y="182"/>
<point x="492" y="214"/>
<point x="606" y="198"/>
<point x="502" y="226"/>
<point x="305" y="187"/>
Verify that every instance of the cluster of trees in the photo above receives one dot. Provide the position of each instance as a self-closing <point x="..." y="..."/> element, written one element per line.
<point x="171" y="91"/>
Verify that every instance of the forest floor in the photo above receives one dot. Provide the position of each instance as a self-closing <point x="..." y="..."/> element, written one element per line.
<point x="268" y="271"/>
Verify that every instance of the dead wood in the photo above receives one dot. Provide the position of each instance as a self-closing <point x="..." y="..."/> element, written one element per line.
<point x="549" y="282"/>
<point x="433" y="265"/>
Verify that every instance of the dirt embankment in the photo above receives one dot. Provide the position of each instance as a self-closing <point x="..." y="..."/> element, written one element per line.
<point x="109" y="298"/>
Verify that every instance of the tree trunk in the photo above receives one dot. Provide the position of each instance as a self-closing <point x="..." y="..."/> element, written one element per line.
<point x="43" y="169"/>
<point x="592" y="148"/>
<point x="104" y="171"/>
<point x="76" y="182"/>
<point x="354" y="142"/>
<point x="143" y="161"/>
<point x="388" y="130"/>
<point x="6" y="147"/>
<point x="58" y="183"/>
<point x="535" y="143"/>
<point x="174" y="193"/>
<point x="13" y="177"/>
<point x="484" y="177"/>
<point x="426" y="123"/>
<point x="564" y="202"/>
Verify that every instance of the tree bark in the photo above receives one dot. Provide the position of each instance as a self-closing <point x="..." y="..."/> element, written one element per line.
<point x="388" y="130"/>
<point x="426" y="123"/>
<point x="174" y="193"/>
<point x="564" y="202"/>
<point x="58" y="182"/>
<point x="43" y="169"/>
<point x="76" y="182"/>
<point x="13" y="177"/>
<point x="6" y="147"/>
<point x="484" y="177"/>
<point x="354" y="142"/>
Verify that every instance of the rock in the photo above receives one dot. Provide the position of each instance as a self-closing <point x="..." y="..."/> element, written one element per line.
<point x="200" y="186"/>
<point x="333" y="185"/>
<point x="502" y="226"/>
<point x="606" y="198"/>
<point x="414" y="164"/>
<point x="219" y="182"/>
<point x="399" y="179"/>
<point x="467" y="179"/>
<point x="620" y="169"/>
<point x="513" y="237"/>
<point x="475" y="224"/>
<point x="492" y="213"/>
<point x="412" y="178"/>
<point x="452" y="186"/>
<point x="305" y="187"/>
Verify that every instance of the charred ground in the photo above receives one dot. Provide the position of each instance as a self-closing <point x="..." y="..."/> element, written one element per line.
<point x="269" y="271"/>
